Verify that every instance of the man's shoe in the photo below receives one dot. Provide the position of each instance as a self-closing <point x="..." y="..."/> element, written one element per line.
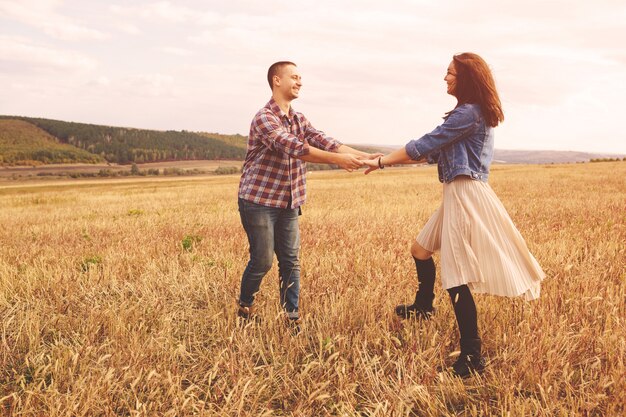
<point x="413" y="311"/>
<point x="248" y="314"/>
<point x="294" y="326"/>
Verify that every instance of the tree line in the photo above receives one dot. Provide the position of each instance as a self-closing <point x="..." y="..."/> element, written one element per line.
<point x="127" y="145"/>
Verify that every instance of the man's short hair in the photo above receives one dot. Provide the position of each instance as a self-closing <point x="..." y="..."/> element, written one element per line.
<point x="275" y="69"/>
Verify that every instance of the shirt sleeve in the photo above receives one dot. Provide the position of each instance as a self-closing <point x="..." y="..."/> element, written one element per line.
<point x="273" y="135"/>
<point x="318" y="139"/>
<point x="461" y="123"/>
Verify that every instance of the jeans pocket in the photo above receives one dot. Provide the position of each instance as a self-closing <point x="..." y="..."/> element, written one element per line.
<point x="254" y="215"/>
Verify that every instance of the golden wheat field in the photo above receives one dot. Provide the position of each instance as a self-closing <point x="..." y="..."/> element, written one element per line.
<point x="118" y="299"/>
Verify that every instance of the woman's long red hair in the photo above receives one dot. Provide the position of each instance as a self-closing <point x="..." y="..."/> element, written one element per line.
<point x="475" y="84"/>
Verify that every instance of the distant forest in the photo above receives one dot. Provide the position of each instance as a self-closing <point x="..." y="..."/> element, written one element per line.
<point x="127" y="145"/>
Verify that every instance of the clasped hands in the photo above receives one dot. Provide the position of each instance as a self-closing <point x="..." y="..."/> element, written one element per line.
<point x="350" y="161"/>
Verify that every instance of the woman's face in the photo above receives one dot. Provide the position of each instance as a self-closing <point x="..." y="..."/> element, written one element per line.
<point x="450" y="78"/>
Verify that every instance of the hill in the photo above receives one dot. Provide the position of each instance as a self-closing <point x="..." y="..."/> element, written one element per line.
<point x="237" y="141"/>
<point x="22" y="143"/>
<point x="547" y="157"/>
<point x="28" y="139"/>
<point x="126" y="145"/>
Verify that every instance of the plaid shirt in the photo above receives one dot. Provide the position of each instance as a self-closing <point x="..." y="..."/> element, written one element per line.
<point x="272" y="174"/>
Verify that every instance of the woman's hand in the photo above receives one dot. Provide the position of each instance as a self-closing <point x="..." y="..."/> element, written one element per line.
<point x="371" y="164"/>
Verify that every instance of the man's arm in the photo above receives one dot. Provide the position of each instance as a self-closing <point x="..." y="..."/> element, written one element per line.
<point x="318" y="139"/>
<point x="347" y="161"/>
<point x="361" y="155"/>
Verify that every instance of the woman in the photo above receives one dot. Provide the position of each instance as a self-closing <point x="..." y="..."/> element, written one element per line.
<point x="481" y="250"/>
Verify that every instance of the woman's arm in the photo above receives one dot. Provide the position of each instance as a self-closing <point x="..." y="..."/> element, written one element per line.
<point x="398" y="157"/>
<point x="460" y="123"/>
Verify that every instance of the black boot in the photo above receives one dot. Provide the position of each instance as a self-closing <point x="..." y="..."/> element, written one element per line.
<point x="470" y="361"/>
<point x="422" y="308"/>
<point x="418" y="310"/>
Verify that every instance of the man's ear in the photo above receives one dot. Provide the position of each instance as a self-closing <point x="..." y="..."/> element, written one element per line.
<point x="276" y="80"/>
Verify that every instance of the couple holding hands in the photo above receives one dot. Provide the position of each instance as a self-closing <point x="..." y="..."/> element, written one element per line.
<point x="481" y="250"/>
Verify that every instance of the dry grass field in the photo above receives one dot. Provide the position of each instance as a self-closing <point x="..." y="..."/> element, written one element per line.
<point x="118" y="299"/>
<point x="42" y="173"/>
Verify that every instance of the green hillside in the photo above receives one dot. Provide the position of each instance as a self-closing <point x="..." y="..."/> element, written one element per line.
<point x="238" y="141"/>
<point x="125" y="145"/>
<point x="22" y="143"/>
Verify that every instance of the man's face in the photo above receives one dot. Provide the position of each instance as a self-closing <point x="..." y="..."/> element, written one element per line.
<point x="288" y="82"/>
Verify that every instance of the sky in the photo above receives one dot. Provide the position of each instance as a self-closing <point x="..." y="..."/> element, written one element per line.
<point x="372" y="71"/>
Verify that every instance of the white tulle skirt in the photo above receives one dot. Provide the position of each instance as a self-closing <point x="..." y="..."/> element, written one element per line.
<point x="479" y="245"/>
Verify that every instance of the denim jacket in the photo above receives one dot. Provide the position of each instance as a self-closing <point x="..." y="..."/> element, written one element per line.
<point x="462" y="145"/>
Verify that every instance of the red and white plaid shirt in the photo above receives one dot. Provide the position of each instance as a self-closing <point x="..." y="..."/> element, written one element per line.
<point x="272" y="174"/>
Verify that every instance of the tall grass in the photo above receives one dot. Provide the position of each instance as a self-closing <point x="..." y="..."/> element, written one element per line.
<point x="119" y="299"/>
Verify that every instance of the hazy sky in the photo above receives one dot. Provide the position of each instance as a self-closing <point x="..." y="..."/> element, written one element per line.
<point x="372" y="70"/>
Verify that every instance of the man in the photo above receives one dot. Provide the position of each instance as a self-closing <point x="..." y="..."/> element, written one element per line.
<point x="273" y="187"/>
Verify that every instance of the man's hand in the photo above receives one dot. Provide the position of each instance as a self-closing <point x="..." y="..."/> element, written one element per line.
<point x="371" y="164"/>
<point x="348" y="161"/>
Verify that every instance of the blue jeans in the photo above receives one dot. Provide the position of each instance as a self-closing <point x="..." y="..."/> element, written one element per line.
<point x="271" y="230"/>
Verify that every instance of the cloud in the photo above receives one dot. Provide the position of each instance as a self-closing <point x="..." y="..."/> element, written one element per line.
<point x="149" y="85"/>
<point x="101" y="81"/>
<point x="175" y="51"/>
<point x="165" y="11"/>
<point x="24" y="56"/>
<point x="43" y="15"/>
<point x="128" y="28"/>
